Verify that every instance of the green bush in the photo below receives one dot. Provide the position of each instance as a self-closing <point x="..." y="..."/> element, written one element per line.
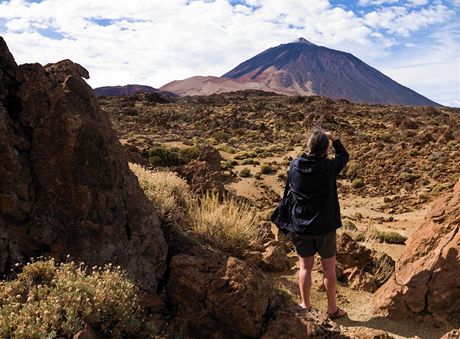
<point x="245" y="155"/>
<point x="250" y="162"/>
<point x="229" y="164"/>
<point x="245" y="172"/>
<point x="188" y="154"/>
<point x="228" y="149"/>
<point x="49" y="300"/>
<point x="386" y="136"/>
<point x="352" y="169"/>
<point x="349" y="225"/>
<point x="160" y="156"/>
<point x="266" y="169"/>
<point x="357" y="183"/>
<point x="358" y="236"/>
<point x="408" y="177"/>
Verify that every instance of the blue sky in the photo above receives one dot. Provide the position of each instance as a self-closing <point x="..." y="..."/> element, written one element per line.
<point x="415" y="42"/>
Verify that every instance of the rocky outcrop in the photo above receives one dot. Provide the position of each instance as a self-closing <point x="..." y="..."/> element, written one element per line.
<point x="272" y="257"/>
<point x="218" y="298"/>
<point x="154" y="94"/>
<point x="364" y="269"/>
<point x="204" y="173"/>
<point x="426" y="281"/>
<point x="65" y="185"/>
<point x="294" y="323"/>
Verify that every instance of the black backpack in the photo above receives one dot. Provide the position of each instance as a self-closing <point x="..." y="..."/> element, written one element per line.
<point x="295" y="212"/>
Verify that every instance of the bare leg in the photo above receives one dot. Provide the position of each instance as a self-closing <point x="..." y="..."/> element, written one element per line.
<point x="306" y="265"/>
<point x="330" y="283"/>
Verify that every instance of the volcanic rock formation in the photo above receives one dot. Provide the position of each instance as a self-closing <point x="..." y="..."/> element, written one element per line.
<point x="65" y="185"/>
<point x="426" y="279"/>
<point x="130" y="90"/>
<point x="303" y="68"/>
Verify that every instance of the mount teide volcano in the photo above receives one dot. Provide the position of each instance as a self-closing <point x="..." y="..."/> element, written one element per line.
<point x="303" y="68"/>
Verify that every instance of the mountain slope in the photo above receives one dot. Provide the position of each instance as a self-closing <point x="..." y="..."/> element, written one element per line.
<point x="303" y="68"/>
<point x="127" y="90"/>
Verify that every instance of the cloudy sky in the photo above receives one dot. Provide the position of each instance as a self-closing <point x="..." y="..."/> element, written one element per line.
<point x="152" y="42"/>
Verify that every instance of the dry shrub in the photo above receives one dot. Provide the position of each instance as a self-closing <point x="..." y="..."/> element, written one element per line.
<point x="225" y="223"/>
<point x="349" y="225"/>
<point x="373" y="233"/>
<point x="168" y="192"/>
<point x="49" y="300"/>
<point x="350" y="228"/>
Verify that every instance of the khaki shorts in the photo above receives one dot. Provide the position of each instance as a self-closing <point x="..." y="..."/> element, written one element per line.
<point x="308" y="245"/>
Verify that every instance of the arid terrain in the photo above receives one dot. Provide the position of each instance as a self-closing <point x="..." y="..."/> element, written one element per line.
<point x="402" y="158"/>
<point x="400" y="153"/>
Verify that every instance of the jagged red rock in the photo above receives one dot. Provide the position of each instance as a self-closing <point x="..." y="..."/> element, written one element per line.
<point x="218" y="298"/>
<point x="65" y="183"/>
<point x="426" y="280"/>
<point x="204" y="174"/>
<point x="365" y="269"/>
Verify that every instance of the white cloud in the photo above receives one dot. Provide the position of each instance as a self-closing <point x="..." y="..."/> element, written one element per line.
<point x="375" y="2"/>
<point x="399" y="20"/>
<point x="431" y="68"/>
<point x="418" y="2"/>
<point x="154" y="42"/>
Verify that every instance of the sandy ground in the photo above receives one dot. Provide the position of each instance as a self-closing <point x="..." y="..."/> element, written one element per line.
<point x="357" y="304"/>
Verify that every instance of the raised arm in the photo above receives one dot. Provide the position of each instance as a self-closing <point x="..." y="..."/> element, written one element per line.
<point x="341" y="154"/>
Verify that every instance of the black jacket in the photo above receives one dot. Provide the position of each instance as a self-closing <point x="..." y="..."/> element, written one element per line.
<point x="312" y="181"/>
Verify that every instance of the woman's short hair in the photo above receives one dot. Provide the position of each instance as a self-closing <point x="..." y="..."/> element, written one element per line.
<point x="318" y="142"/>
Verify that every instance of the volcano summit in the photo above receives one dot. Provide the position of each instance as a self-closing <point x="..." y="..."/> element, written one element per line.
<point x="303" y="68"/>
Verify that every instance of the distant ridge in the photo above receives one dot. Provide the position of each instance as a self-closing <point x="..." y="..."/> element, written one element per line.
<point x="129" y="90"/>
<point x="303" y="68"/>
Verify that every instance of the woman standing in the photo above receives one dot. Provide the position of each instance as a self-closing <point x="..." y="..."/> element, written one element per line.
<point x="312" y="182"/>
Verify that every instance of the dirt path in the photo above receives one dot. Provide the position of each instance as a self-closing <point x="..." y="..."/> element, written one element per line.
<point x="358" y="306"/>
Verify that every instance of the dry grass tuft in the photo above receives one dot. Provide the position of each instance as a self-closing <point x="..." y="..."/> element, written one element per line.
<point x="373" y="233"/>
<point x="169" y="193"/>
<point x="49" y="300"/>
<point x="225" y="223"/>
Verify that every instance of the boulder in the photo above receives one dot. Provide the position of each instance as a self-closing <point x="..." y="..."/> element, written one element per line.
<point x="364" y="269"/>
<point x="217" y="297"/>
<point x="275" y="257"/>
<point x="65" y="185"/>
<point x="272" y="257"/>
<point x="204" y="174"/>
<point x="294" y="323"/>
<point x="201" y="177"/>
<point x="426" y="281"/>
<point x="359" y="280"/>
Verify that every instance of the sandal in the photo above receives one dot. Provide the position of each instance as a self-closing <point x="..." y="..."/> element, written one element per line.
<point x="339" y="313"/>
<point x="302" y="306"/>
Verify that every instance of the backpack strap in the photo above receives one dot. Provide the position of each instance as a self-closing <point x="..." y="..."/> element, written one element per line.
<point x="287" y="186"/>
